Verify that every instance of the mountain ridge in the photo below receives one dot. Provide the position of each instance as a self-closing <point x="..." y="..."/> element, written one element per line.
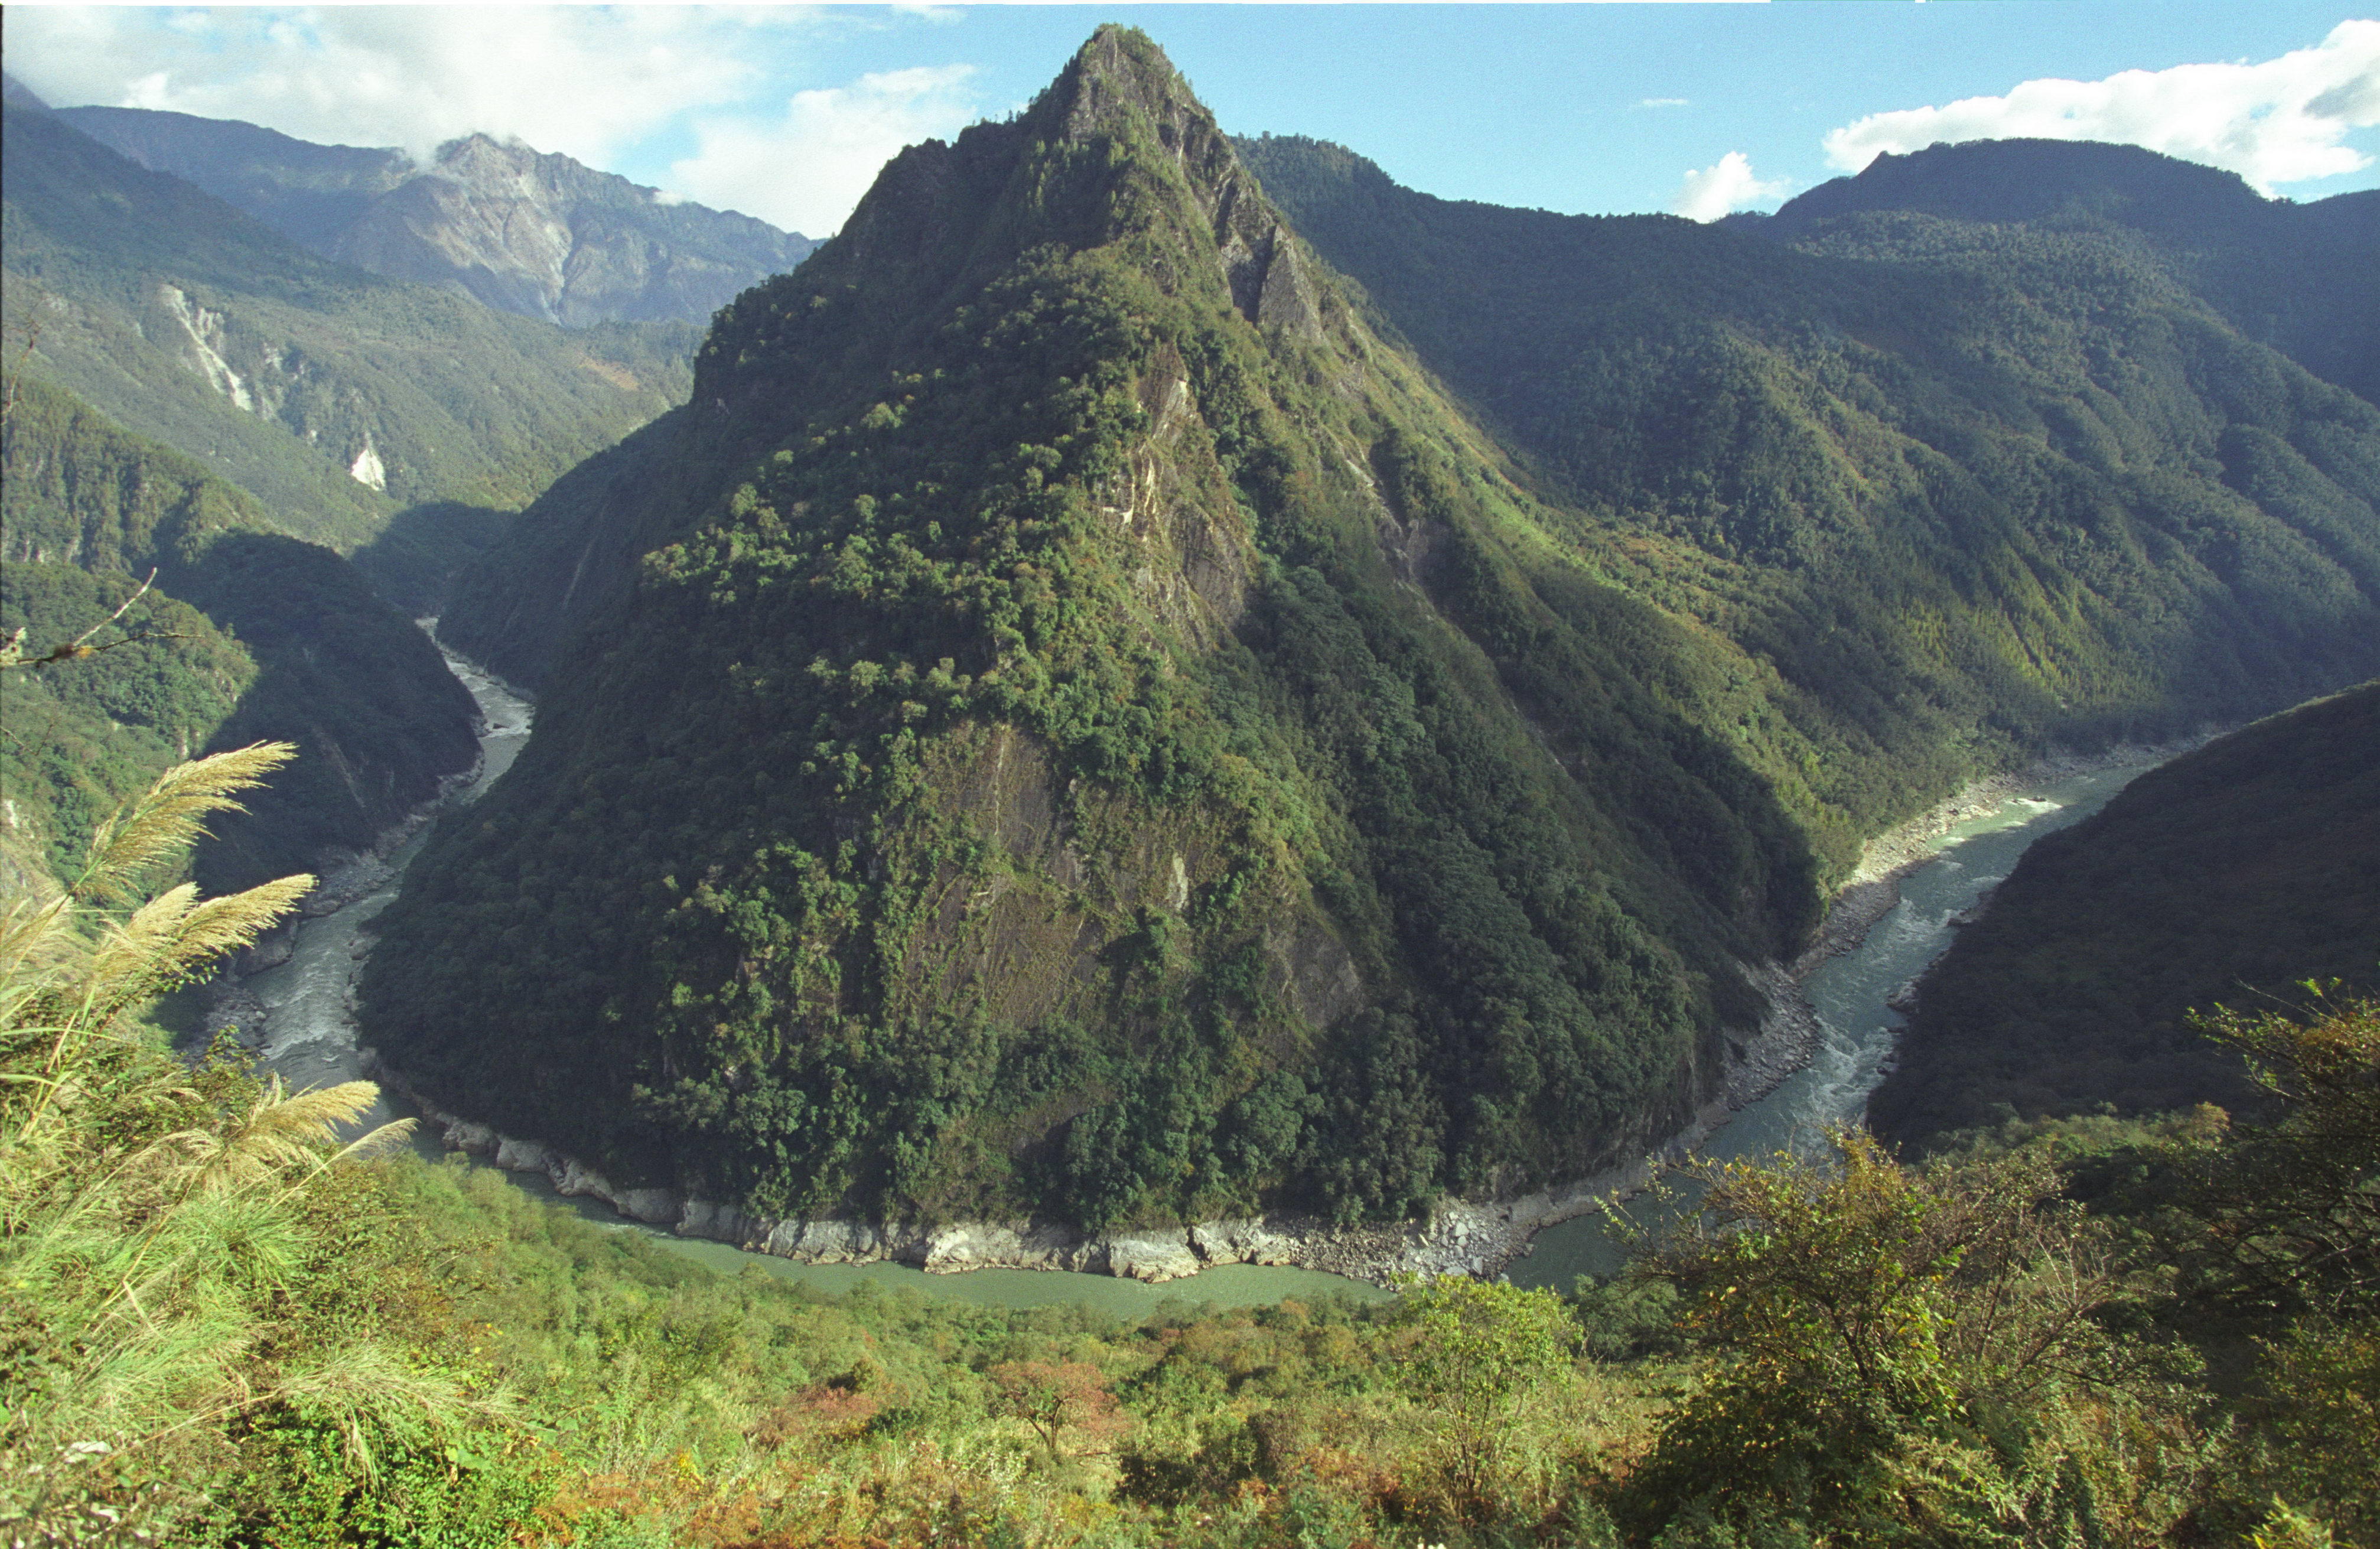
<point x="287" y="643"/>
<point x="336" y="396"/>
<point x="2297" y="277"/>
<point x="536" y="233"/>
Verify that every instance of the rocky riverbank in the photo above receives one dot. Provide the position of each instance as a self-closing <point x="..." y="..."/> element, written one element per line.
<point x="1461" y="1238"/>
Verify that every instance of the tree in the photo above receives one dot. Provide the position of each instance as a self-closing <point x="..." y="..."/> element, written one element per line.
<point x="2295" y="1207"/>
<point x="2277" y="1231"/>
<point x="1472" y="1350"/>
<point x="1054" y="1398"/>
<point x="1897" y="1353"/>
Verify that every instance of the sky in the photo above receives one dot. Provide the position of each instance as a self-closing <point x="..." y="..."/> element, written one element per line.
<point x="787" y="112"/>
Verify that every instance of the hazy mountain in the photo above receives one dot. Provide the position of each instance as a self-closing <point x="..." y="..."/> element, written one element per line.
<point x="538" y="234"/>
<point x="2228" y="877"/>
<point x="1070" y="718"/>
<point x="335" y="397"/>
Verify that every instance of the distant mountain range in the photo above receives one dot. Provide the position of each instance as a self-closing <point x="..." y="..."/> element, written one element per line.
<point x="337" y="397"/>
<point x="525" y="232"/>
<point x="192" y="392"/>
<point x="2300" y="278"/>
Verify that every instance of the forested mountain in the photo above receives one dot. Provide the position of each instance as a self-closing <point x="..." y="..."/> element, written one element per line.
<point x="525" y="232"/>
<point x="1972" y="487"/>
<point x="261" y="636"/>
<point x="1071" y="720"/>
<point x="2226" y="877"/>
<point x="1054" y="766"/>
<point x="2300" y="278"/>
<point x="336" y="398"/>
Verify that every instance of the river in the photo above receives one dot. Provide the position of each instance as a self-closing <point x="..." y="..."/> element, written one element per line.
<point x="310" y="1040"/>
<point x="1857" y="1029"/>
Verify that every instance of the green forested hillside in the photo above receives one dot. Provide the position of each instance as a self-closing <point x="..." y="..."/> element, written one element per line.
<point x="2228" y="877"/>
<point x="2092" y="1331"/>
<point x="1059" y="772"/>
<point x="1098" y="734"/>
<point x="1972" y="487"/>
<point x="80" y="742"/>
<point x="2300" y="278"/>
<point x="334" y="396"/>
<point x="278" y="638"/>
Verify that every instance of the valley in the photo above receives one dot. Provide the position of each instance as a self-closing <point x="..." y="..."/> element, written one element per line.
<point x="1214" y="853"/>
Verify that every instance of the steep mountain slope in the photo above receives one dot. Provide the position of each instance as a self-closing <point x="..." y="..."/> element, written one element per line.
<point x="2226" y="877"/>
<point x="1973" y="489"/>
<point x="1068" y="719"/>
<point x="2304" y="278"/>
<point x="334" y="396"/>
<point x="275" y="639"/>
<point x="1102" y="737"/>
<point x="539" y="235"/>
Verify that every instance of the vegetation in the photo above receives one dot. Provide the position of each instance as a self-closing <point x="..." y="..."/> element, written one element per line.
<point x="1105" y="830"/>
<point x="2292" y="275"/>
<point x="2230" y="874"/>
<point x="1972" y="488"/>
<point x="1076" y="726"/>
<point x="218" y="1327"/>
<point x="198" y="328"/>
<point x="256" y="635"/>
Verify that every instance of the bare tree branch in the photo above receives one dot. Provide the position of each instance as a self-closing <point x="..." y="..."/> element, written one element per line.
<point x="12" y="645"/>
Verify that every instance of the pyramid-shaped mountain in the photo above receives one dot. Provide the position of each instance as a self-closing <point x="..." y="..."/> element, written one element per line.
<point x="1071" y="721"/>
<point x="1055" y="769"/>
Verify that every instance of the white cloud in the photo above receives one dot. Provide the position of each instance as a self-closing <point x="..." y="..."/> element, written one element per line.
<point x="2282" y="121"/>
<point x="1728" y="184"/>
<point x="583" y="80"/>
<point x="1663" y="101"/>
<point x="806" y="169"/>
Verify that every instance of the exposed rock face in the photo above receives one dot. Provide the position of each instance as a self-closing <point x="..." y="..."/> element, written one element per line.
<point x="524" y="232"/>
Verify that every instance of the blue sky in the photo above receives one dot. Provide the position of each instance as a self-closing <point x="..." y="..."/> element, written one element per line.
<point x="786" y="111"/>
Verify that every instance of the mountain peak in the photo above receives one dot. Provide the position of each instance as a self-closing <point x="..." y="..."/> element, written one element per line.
<point x="1121" y="71"/>
<point x="2005" y="180"/>
<point x="18" y="94"/>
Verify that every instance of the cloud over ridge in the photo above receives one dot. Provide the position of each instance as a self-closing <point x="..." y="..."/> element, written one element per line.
<point x="1727" y="184"/>
<point x="2284" y="121"/>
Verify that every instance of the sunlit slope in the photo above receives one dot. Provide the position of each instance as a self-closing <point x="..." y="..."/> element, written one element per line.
<point x="1107" y="739"/>
<point x="334" y="396"/>
<point x="261" y="636"/>
<point x="2304" y="278"/>
<point x="1972" y="488"/>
